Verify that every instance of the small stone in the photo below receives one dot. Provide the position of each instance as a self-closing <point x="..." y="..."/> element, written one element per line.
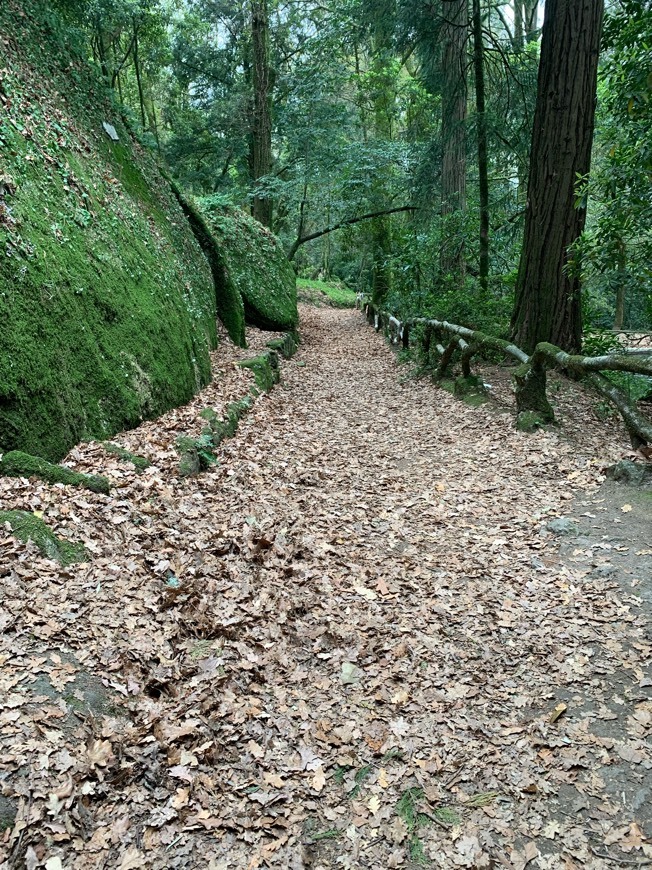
<point x="8" y="810"/>
<point x="562" y="526"/>
<point x="631" y="473"/>
<point x="110" y="131"/>
<point x="604" y="571"/>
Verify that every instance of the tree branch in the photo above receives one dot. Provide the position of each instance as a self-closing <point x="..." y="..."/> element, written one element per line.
<point x="346" y="223"/>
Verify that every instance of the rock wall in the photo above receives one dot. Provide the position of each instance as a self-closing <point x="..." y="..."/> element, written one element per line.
<point x="107" y="305"/>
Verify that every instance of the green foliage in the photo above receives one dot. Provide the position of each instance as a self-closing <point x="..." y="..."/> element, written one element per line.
<point x="407" y="809"/>
<point x="106" y="303"/>
<point x="18" y="464"/>
<point x="196" y="454"/>
<point x="228" y="299"/>
<point x="29" y="527"/>
<point x="616" y="250"/>
<point x="332" y="294"/>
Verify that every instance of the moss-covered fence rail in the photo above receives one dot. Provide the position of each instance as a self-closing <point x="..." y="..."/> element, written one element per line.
<point x="449" y="342"/>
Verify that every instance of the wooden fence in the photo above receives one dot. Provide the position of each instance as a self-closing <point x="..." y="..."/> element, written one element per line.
<point x="451" y="343"/>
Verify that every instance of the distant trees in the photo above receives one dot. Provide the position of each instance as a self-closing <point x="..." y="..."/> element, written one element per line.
<point x="391" y="143"/>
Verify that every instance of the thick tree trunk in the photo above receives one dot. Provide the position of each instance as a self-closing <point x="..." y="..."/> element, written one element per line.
<point x="453" y="108"/>
<point x="261" y="122"/>
<point x="548" y="304"/>
<point x="483" y="160"/>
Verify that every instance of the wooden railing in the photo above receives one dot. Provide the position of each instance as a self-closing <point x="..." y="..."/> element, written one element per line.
<point x="453" y="343"/>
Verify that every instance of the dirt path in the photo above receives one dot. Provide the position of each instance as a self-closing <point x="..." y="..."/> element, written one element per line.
<point x="341" y="647"/>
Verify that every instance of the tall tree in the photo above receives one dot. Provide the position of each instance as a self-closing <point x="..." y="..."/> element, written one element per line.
<point x="453" y="108"/>
<point x="548" y="305"/>
<point x="261" y="120"/>
<point x="483" y="148"/>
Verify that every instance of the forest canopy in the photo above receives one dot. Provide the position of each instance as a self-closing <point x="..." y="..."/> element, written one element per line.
<point x="316" y="116"/>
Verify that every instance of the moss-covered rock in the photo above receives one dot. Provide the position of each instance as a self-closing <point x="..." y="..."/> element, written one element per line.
<point x="265" y="368"/>
<point x="197" y="453"/>
<point x="228" y="300"/>
<point x="256" y="265"/>
<point x="107" y="305"/>
<point x="287" y="346"/>
<point x="18" y="464"/>
<point x="29" y="527"/>
<point x="8" y="813"/>
<point x="140" y="462"/>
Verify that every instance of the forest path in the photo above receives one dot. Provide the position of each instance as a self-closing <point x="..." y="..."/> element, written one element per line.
<point x="343" y="646"/>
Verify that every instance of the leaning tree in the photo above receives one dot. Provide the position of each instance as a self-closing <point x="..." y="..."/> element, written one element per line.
<point x="548" y="304"/>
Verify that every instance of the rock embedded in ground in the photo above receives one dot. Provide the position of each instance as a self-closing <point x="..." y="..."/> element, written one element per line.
<point x="631" y="473"/>
<point x="8" y="810"/>
<point x="562" y="526"/>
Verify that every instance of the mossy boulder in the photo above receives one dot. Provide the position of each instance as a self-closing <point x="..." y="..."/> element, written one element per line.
<point x="255" y="265"/>
<point x="107" y="304"/>
<point x="197" y="453"/>
<point x="18" y="464"/>
<point x="29" y="527"/>
<point x="287" y="346"/>
<point x="265" y="368"/>
<point x="228" y="300"/>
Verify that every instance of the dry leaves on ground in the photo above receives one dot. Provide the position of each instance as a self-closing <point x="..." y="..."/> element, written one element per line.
<point x="345" y="645"/>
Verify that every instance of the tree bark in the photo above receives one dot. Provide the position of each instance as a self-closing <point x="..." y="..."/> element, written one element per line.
<point x="453" y="176"/>
<point x="548" y="304"/>
<point x="518" y="25"/>
<point x="261" y="122"/>
<point x="483" y="160"/>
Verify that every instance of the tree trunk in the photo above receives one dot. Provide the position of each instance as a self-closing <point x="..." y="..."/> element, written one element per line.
<point x="548" y="304"/>
<point x="261" y="122"/>
<point x="481" y="122"/>
<point x="619" y="317"/>
<point x="518" y="25"/>
<point x="383" y="100"/>
<point x="141" y="96"/>
<point x="453" y="175"/>
<point x="531" y="8"/>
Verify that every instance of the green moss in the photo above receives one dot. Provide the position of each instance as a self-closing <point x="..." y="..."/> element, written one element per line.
<point x="530" y="421"/>
<point x="28" y="527"/>
<point x="230" y="307"/>
<point x="286" y="346"/>
<point x="107" y="305"/>
<point x="265" y="368"/>
<point x="18" y="464"/>
<point x="472" y="385"/>
<point x="255" y="265"/>
<point x="115" y="450"/>
<point x="8" y="813"/>
<point x="197" y="453"/>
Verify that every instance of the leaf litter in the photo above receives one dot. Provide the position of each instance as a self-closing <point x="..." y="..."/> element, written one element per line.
<point x="349" y="643"/>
